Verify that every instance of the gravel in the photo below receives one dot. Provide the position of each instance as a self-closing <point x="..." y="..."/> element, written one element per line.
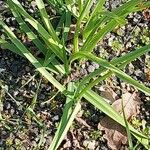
<point x="22" y="131"/>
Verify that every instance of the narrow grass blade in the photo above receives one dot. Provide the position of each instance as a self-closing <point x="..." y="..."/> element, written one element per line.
<point x="45" y="50"/>
<point x="68" y="116"/>
<point x="121" y="12"/>
<point x="56" y="5"/>
<point x="34" y="100"/>
<point x="66" y="27"/>
<point x="84" y="12"/>
<point x="11" y="47"/>
<point x="114" y="69"/>
<point x="80" y="5"/>
<point x="55" y="47"/>
<point x="93" y="18"/>
<point x="60" y="24"/>
<point x="102" y="105"/>
<point x="31" y="58"/>
<point x="120" y="62"/>
<point x="55" y="67"/>
<point x="127" y="128"/>
<point x="46" y="20"/>
<point x="26" y="28"/>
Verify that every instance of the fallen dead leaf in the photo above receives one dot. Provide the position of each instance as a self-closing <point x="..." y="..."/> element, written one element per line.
<point x="131" y="103"/>
<point x="108" y="93"/>
<point x="82" y="122"/>
<point x="115" y="134"/>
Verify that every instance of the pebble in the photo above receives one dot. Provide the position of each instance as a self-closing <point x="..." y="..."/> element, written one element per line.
<point x="83" y="71"/>
<point x="42" y="96"/>
<point x="12" y="111"/>
<point x="95" y="65"/>
<point x="138" y="73"/>
<point x="7" y="105"/>
<point x="90" y="144"/>
<point x="27" y="68"/>
<point x="55" y="118"/>
<point x="91" y="68"/>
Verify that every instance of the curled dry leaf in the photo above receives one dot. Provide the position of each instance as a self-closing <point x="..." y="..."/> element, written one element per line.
<point x="115" y="134"/>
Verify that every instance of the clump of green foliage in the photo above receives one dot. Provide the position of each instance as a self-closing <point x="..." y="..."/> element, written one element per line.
<point x="52" y="43"/>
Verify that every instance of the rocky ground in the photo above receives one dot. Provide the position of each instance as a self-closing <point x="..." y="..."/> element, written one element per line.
<point x="20" y="84"/>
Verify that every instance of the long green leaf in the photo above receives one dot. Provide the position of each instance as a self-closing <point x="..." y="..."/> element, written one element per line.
<point x="31" y="58"/>
<point x="121" y="12"/>
<point x="46" y="19"/>
<point x="69" y="113"/>
<point x="114" y="69"/>
<point x="26" y="28"/>
<point x="102" y="105"/>
<point x="120" y="62"/>
<point x="93" y="18"/>
<point x="84" y="12"/>
<point x="55" y="46"/>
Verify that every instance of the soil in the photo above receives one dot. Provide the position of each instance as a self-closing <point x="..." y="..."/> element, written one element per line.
<point x="20" y="81"/>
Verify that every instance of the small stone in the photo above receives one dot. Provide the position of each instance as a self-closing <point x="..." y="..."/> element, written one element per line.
<point x="91" y="68"/>
<point x="83" y="71"/>
<point x="27" y="68"/>
<point x="135" y="20"/>
<point x="89" y="144"/>
<point x="33" y="4"/>
<point x="55" y="118"/>
<point x="23" y="82"/>
<point x="7" y="105"/>
<point x="120" y="32"/>
<point x="96" y="65"/>
<point x="12" y="111"/>
<point x="138" y="73"/>
<point x="15" y="93"/>
<point x="42" y="96"/>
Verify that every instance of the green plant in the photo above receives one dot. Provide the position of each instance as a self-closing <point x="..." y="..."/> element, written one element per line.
<point x="58" y="59"/>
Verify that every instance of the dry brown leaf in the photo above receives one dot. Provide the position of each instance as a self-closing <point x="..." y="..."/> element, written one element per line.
<point x="108" y="93"/>
<point x="82" y="122"/>
<point x="131" y="103"/>
<point x="115" y="134"/>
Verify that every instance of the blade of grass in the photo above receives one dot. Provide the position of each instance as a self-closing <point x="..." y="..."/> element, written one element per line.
<point x="11" y="47"/>
<point x="70" y="6"/>
<point x="121" y="11"/>
<point x="60" y="24"/>
<point x="102" y="105"/>
<point x="127" y="128"/>
<point x="80" y="5"/>
<point x="64" y="38"/>
<point x="93" y="18"/>
<point x="26" y="28"/>
<point x="34" y="100"/>
<point x="66" y="26"/>
<point x="55" y="67"/>
<point x="49" y="57"/>
<point x="84" y="12"/>
<point x="114" y="69"/>
<point x="68" y="116"/>
<point x="46" y="19"/>
<point x="31" y="58"/>
<point x="56" y="5"/>
<point x="120" y="62"/>
<point x="55" y="47"/>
